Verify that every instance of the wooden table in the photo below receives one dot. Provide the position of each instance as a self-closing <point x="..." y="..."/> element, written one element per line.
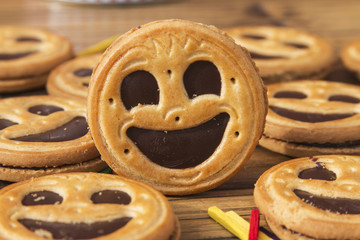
<point x="337" y="21"/>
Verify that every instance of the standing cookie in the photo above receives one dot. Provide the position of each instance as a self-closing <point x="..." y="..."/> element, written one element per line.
<point x="27" y="55"/>
<point x="85" y="206"/>
<point x="312" y="198"/>
<point x="284" y="54"/>
<point x="71" y="78"/>
<point x="350" y="56"/>
<point x="176" y="104"/>
<point x="312" y="117"/>
<point x="41" y="135"/>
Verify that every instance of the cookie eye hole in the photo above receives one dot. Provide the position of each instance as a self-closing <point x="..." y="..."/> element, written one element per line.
<point x="41" y="198"/>
<point x="27" y="39"/>
<point x="253" y="36"/>
<point x="290" y="94"/>
<point x="319" y="172"/>
<point x="343" y="98"/>
<point x="139" y="87"/>
<point x="296" y="45"/>
<point x="111" y="196"/>
<point x="4" y="123"/>
<point x="202" y="77"/>
<point x="44" y="110"/>
<point x="83" y="72"/>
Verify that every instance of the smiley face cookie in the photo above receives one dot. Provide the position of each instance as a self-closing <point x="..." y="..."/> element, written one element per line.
<point x="284" y="54"/>
<point x="350" y="56"/>
<point x="312" y="197"/>
<point x="44" y="132"/>
<point x="176" y="104"/>
<point x="27" y="55"/>
<point x="85" y="206"/>
<point x="312" y="117"/>
<point x="71" y="78"/>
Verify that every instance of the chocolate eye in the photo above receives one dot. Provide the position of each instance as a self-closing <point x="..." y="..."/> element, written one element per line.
<point x="319" y="172"/>
<point x="290" y="94"/>
<point x="111" y="196"/>
<point x="28" y="39"/>
<point x="83" y="72"/>
<point x="139" y="87"/>
<point x="253" y="36"/>
<point x="4" y="123"/>
<point x="202" y="77"/>
<point x="41" y="198"/>
<point x="44" y="110"/>
<point x="343" y="98"/>
<point x="296" y="45"/>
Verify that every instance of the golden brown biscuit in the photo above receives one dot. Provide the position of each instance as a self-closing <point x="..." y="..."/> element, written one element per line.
<point x="176" y="104"/>
<point x="312" y="117"/>
<point x="312" y="197"/>
<point x="71" y="78"/>
<point x="350" y="56"/>
<point x="44" y="131"/>
<point x="283" y="53"/>
<point x="85" y="206"/>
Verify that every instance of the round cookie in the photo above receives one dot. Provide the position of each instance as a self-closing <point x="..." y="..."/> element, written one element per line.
<point x="312" y="197"/>
<point x="85" y="206"/>
<point x="312" y="117"/>
<point x="283" y="53"/>
<point x="22" y="84"/>
<point x="176" y="104"/>
<point x="350" y="56"/>
<point x="44" y="131"/>
<point x="71" y="78"/>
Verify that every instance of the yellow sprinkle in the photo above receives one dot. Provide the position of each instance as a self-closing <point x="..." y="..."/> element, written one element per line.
<point x="234" y="223"/>
<point x="98" y="47"/>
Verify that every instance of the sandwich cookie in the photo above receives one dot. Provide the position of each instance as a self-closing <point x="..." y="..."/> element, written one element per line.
<point x="350" y="56"/>
<point x="312" y="117"/>
<point x="71" y="78"/>
<point x="27" y="55"/>
<point x="85" y="206"/>
<point x="312" y="198"/>
<point x="284" y="54"/>
<point x="41" y="135"/>
<point x="176" y="104"/>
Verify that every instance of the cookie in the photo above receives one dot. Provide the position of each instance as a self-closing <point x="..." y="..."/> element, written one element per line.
<point x="28" y="54"/>
<point x="85" y="206"/>
<point x="71" y="78"/>
<point x="350" y="56"/>
<point x="176" y="104"/>
<point x="312" y="117"/>
<point x="44" y="132"/>
<point x="284" y="54"/>
<point x="312" y="197"/>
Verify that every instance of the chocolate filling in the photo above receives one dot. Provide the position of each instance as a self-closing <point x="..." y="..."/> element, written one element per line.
<point x="4" y="123"/>
<point x="296" y="45"/>
<point x="253" y="36"/>
<point x="83" y="72"/>
<point x="309" y="117"/>
<point x="265" y="57"/>
<point x="41" y="198"/>
<point x="74" y="129"/>
<point x="319" y="172"/>
<point x="71" y="231"/>
<point x="180" y="149"/>
<point x="111" y="196"/>
<point x="289" y="94"/>
<point x="336" y="205"/>
<point x="28" y="39"/>
<point x="12" y="56"/>
<point x="44" y="110"/>
<point x="343" y="98"/>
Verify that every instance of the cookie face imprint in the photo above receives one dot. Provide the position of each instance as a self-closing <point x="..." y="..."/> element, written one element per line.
<point x="179" y="108"/>
<point x="316" y="114"/>
<point x="40" y="131"/>
<point x="289" y="52"/>
<point x="94" y="206"/>
<point x="71" y="78"/>
<point x="26" y="51"/>
<point x="325" y="188"/>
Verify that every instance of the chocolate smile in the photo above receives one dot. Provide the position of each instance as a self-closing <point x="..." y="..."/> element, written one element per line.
<point x="180" y="149"/>
<point x="309" y="117"/>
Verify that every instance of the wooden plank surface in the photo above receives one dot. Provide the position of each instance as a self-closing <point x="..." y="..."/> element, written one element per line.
<point x="337" y="21"/>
